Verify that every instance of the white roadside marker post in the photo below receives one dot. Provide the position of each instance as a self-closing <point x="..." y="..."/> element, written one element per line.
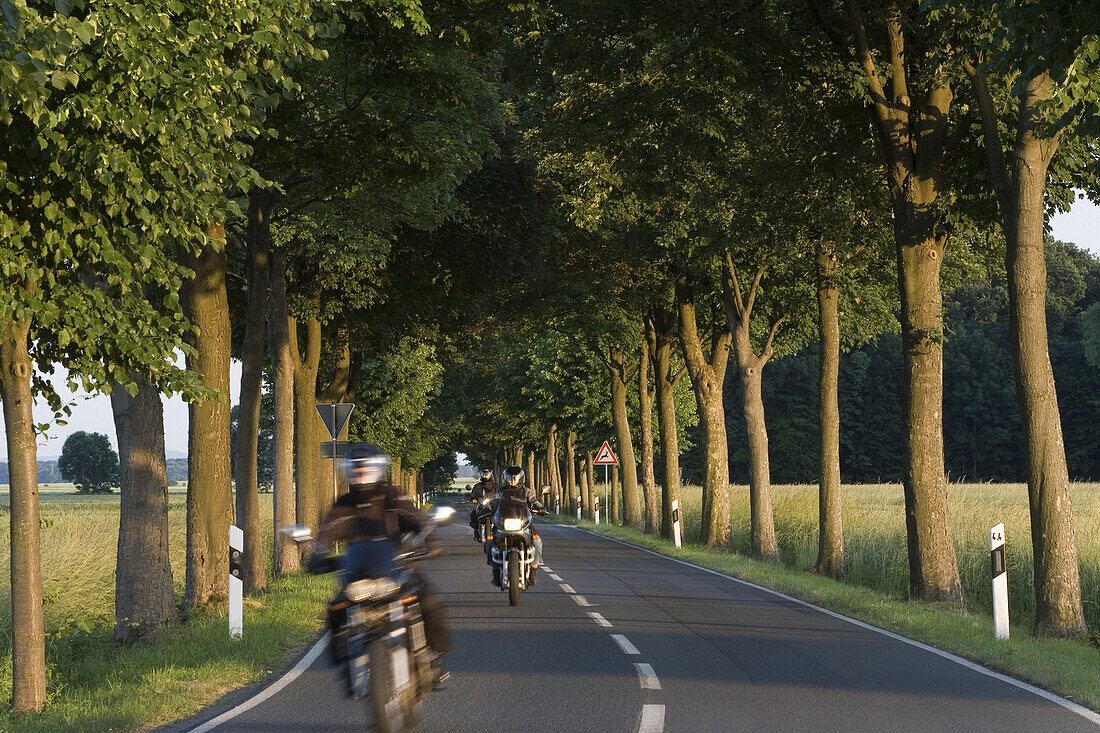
<point x="578" y="508"/>
<point x="236" y="585"/>
<point x="597" y="508"/>
<point x="1000" y="581"/>
<point x="676" y="522"/>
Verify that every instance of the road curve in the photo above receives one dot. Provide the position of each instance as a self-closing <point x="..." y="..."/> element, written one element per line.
<point x="615" y="638"/>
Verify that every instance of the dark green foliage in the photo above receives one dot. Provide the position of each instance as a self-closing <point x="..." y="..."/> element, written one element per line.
<point x="88" y="461"/>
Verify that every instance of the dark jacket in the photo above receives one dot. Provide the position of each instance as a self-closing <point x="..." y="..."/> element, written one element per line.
<point x="520" y="493"/>
<point x="384" y="513"/>
<point x="484" y="489"/>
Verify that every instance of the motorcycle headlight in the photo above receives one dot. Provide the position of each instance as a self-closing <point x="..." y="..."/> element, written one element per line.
<point x="513" y="525"/>
<point x="368" y="588"/>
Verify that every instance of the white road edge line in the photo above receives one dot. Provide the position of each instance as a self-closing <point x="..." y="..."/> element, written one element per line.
<point x="1084" y="712"/>
<point x="581" y="600"/>
<point x="653" y="719"/>
<point x="302" y="665"/>
<point x="624" y="644"/>
<point x="599" y="619"/>
<point x="567" y="588"/>
<point x="647" y="677"/>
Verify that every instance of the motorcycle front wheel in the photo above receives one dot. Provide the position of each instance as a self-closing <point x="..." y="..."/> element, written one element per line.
<point x="513" y="579"/>
<point x="383" y="700"/>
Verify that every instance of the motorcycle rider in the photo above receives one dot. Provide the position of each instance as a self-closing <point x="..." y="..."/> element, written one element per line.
<point x="514" y="488"/>
<point x="371" y="518"/>
<point x="486" y="488"/>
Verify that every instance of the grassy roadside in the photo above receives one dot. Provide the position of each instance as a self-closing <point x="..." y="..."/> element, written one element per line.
<point x="1068" y="668"/>
<point x="92" y="685"/>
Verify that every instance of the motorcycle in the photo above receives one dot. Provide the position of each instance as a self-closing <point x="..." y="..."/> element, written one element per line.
<point x="381" y="639"/>
<point x="513" y="548"/>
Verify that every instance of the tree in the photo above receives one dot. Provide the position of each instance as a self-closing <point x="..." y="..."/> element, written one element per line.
<point x="88" y="461"/>
<point x="1050" y="52"/>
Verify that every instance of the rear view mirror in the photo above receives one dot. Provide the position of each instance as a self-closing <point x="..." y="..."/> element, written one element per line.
<point x="297" y="533"/>
<point x="441" y="514"/>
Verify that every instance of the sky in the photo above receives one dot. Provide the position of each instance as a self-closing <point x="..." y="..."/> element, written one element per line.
<point x="92" y="413"/>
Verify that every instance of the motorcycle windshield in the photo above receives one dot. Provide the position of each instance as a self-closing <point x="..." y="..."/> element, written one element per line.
<point x="370" y="559"/>
<point x="512" y="509"/>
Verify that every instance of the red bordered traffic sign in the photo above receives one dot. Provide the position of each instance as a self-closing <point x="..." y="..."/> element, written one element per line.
<point x="606" y="456"/>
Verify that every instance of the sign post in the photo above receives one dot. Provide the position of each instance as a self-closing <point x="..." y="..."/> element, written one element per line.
<point x="335" y="417"/>
<point x="676" y="521"/>
<point x="236" y="584"/>
<point x="1000" y="581"/>
<point x="606" y="457"/>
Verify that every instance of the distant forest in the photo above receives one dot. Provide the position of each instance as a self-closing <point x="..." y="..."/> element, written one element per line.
<point x="981" y="421"/>
<point x="48" y="472"/>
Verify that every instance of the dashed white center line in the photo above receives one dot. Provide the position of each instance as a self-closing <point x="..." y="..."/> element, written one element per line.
<point x="647" y="677"/>
<point x="546" y="567"/>
<point x="625" y="644"/>
<point x="567" y="588"/>
<point x="599" y="619"/>
<point x="653" y="719"/>
<point x="581" y="600"/>
<point x="554" y="576"/>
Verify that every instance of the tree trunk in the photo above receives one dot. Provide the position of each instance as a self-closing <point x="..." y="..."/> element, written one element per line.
<point x="590" y="485"/>
<point x="28" y="648"/>
<point x="750" y="366"/>
<point x="613" y="501"/>
<point x="307" y="454"/>
<point x="571" y="470"/>
<point x="830" y="535"/>
<point x="552" y="472"/>
<point x="913" y="133"/>
<point x="209" y="485"/>
<point x="933" y="567"/>
<point x="706" y="380"/>
<point x="649" y="477"/>
<point x="144" y="600"/>
<point x="286" y="556"/>
<point x="659" y="330"/>
<point x="1058" y="608"/>
<point x="532" y="479"/>
<point x="247" y="485"/>
<point x="620" y="378"/>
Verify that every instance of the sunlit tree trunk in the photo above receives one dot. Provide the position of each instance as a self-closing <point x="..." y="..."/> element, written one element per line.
<point x="307" y="453"/>
<point x="706" y="379"/>
<point x="1021" y="188"/>
<point x="620" y="378"/>
<point x="830" y="535"/>
<point x="28" y="646"/>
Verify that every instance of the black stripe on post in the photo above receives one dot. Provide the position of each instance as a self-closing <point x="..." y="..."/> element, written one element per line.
<point x="236" y="560"/>
<point x="997" y="561"/>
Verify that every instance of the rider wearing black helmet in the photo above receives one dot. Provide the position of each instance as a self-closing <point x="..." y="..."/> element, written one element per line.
<point x="486" y="488"/>
<point x="514" y="488"/>
<point x="371" y="518"/>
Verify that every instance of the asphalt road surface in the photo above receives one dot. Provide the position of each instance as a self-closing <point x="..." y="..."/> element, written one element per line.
<point x="615" y="639"/>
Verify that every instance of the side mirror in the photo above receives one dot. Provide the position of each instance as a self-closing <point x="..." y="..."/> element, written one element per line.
<point x="297" y="533"/>
<point x="441" y="515"/>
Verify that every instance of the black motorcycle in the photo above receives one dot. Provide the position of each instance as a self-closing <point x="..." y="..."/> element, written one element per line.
<point x="513" y="549"/>
<point x="381" y="637"/>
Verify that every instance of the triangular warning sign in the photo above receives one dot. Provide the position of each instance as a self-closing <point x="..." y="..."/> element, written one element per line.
<point x="606" y="456"/>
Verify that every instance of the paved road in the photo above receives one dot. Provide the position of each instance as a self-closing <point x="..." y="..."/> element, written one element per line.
<point x="615" y="639"/>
